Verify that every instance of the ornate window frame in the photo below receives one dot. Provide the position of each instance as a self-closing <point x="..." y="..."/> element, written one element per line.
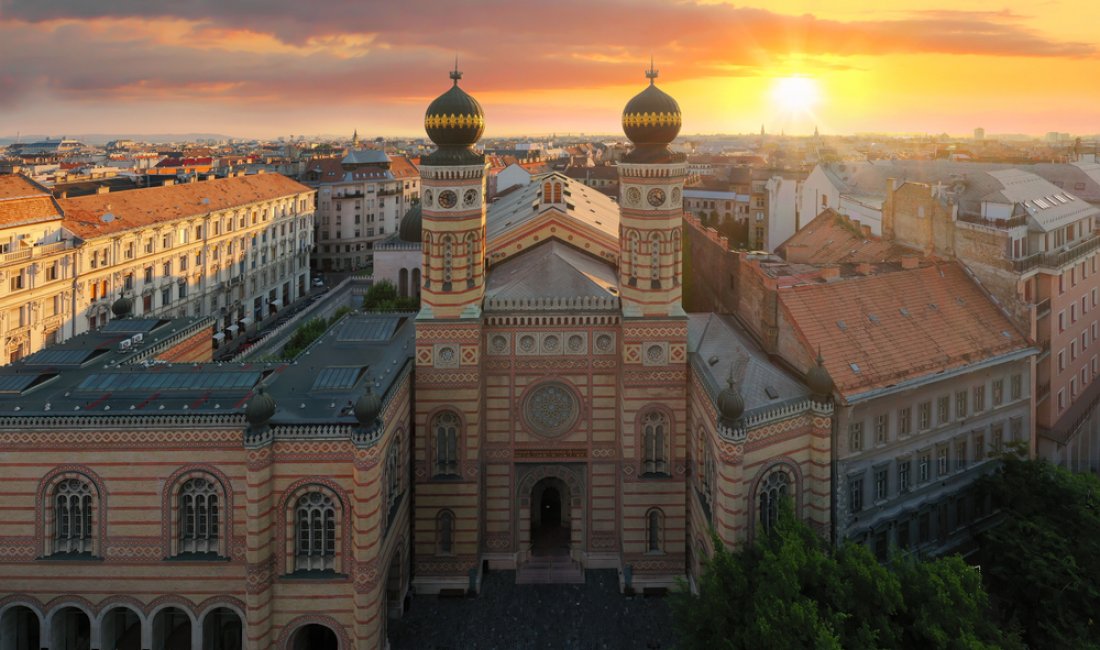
<point x="46" y="542"/>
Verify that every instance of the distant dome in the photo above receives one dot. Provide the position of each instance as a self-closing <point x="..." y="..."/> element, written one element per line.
<point x="260" y="408"/>
<point x="410" y="228"/>
<point x="367" y="408"/>
<point x="122" y="307"/>
<point x="731" y="406"/>
<point x="818" y="379"/>
<point x="652" y="118"/>
<point x="454" y="119"/>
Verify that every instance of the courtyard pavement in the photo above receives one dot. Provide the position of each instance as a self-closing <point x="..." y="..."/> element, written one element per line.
<point x="529" y="617"/>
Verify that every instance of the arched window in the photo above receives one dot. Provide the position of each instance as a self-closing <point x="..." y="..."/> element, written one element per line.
<point x="316" y="525"/>
<point x="448" y="261"/>
<point x="654" y="527"/>
<point x="393" y="479"/>
<point x="678" y="257"/>
<point x="73" y="513"/>
<point x="634" y="246"/>
<point x="425" y="259"/>
<point x="547" y="194"/>
<point x="655" y="260"/>
<point x="773" y="490"/>
<point x="199" y="511"/>
<point x="557" y="192"/>
<point x="445" y="533"/>
<point x="471" y="259"/>
<point x="445" y="427"/>
<point x="654" y="435"/>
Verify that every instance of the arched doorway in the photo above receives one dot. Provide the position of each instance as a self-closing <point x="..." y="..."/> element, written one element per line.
<point x="120" y="630"/>
<point x="222" y="629"/>
<point x="71" y="629"/>
<point x="172" y="629"/>
<point x="550" y="520"/>
<point x="20" y="629"/>
<point x="315" y="637"/>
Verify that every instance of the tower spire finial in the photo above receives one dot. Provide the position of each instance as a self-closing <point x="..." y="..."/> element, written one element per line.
<point x="651" y="74"/>
<point x="455" y="74"/>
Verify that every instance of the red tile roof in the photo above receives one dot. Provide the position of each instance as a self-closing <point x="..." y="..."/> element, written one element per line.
<point x="832" y="238"/>
<point x="22" y="201"/>
<point x="138" y="208"/>
<point x="879" y="330"/>
<point x="403" y="168"/>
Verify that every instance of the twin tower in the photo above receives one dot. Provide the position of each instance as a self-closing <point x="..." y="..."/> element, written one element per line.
<point x="453" y="205"/>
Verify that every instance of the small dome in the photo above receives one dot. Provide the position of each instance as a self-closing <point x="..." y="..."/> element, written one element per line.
<point x="731" y="406"/>
<point x="410" y="228"/>
<point x="260" y="408"/>
<point x="122" y="307"/>
<point x="367" y="408"/>
<point x="454" y="119"/>
<point x="652" y="117"/>
<point x="818" y="379"/>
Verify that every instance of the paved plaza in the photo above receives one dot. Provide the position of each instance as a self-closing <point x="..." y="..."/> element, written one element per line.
<point x="529" y="617"/>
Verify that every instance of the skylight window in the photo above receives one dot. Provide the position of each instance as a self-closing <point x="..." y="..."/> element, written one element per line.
<point x="854" y="367"/>
<point x="1042" y="203"/>
<point x="842" y="325"/>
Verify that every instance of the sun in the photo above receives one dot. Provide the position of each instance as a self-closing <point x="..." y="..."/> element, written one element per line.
<point x="795" y="94"/>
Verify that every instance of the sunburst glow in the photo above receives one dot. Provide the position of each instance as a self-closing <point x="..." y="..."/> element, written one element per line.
<point x="795" y="94"/>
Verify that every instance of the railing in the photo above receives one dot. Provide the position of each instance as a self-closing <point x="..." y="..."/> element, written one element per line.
<point x="34" y="252"/>
<point x="1057" y="259"/>
<point x="1000" y="224"/>
<point x="1042" y="309"/>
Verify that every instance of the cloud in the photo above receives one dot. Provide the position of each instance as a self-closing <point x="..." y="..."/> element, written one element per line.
<point x="286" y="53"/>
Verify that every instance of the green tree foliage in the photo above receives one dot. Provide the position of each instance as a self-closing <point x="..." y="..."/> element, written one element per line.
<point x="309" y="332"/>
<point x="1041" y="563"/>
<point x="382" y="296"/>
<point x="790" y="589"/>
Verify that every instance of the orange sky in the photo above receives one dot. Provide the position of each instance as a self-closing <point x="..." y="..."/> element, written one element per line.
<point x="73" y="66"/>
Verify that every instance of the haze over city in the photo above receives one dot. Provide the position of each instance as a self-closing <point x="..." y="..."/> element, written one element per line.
<point x="279" y="67"/>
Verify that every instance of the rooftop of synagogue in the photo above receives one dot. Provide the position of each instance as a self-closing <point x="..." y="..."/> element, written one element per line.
<point x="117" y="372"/>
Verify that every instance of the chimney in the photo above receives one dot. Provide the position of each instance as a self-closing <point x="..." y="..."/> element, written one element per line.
<point x="830" y="273"/>
<point x="64" y="194"/>
<point x="864" y="268"/>
<point x="798" y="253"/>
<point x="866" y="230"/>
<point x="169" y="182"/>
<point x="909" y="261"/>
<point x="103" y="189"/>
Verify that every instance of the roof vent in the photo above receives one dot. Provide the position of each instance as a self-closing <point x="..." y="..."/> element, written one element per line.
<point x="107" y="218"/>
<point x="854" y="367"/>
<point x="872" y="318"/>
<point x="933" y="306"/>
<point x="904" y="311"/>
<point x="1005" y="334"/>
<point x="712" y="360"/>
<point x="771" y="392"/>
<point x="842" y="325"/>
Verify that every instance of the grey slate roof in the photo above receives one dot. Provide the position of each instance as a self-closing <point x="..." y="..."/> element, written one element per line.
<point x="582" y="203"/>
<point x="90" y="376"/>
<point x="552" y="270"/>
<point x="716" y="342"/>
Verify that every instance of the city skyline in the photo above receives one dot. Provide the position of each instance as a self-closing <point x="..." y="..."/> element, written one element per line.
<point x="159" y="67"/>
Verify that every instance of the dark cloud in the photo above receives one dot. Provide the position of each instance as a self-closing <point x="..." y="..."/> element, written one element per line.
<point x="77" y="49"/>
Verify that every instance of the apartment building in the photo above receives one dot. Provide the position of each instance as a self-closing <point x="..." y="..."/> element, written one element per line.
<point x="360" y="201"/>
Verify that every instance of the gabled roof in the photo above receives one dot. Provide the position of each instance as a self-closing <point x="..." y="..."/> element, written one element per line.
<point x="1048" y="205"/>
<point x="832" y="238"/>
<point x="22" y="201"/>
<point x="880" y="330"/>
<point x="718" y="344"/>
<point x="580" y="202"/>
<point x="550" y="271"/>
<point x="104" y="214"/>
<point x="366" y="157"/>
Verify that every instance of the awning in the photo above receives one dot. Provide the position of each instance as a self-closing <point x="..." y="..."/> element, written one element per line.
<point x="245" y="322"/>
<point x="219" y="336"/>
<point x="276" y="304"/>
<point x="232" y="329"/>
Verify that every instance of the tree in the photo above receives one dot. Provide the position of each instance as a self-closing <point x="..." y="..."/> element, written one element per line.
<point x="382" y="296"/>
<point x="789" y="589"/>
<point x="1041" y="563"/>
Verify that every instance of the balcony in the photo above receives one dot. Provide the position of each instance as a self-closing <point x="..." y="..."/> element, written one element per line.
<point x="1059" y="258"/>
<point x="1042" y="309"/>
<point x="34" y="252"/>
<point x="1000" y="224"/>
<point x="349" y="195"/>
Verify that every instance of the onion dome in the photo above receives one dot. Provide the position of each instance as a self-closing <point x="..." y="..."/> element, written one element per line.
<point x="731" y="406"/>
<point x="818" y="379"/>
<point x="122" y="307"/>
<point x="260" y="408"/>
<point x="367" y="408"/>
<point x="651" y="120"/>
<point x="410" y="228"/>
<point x="454" y="122"/>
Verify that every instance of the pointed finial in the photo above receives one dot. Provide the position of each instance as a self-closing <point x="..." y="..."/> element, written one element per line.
<point x="729" y="379"/>
<point x="455" y="74"/>
<point x="820" y="360"/>
<point x="651" y="74"/>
